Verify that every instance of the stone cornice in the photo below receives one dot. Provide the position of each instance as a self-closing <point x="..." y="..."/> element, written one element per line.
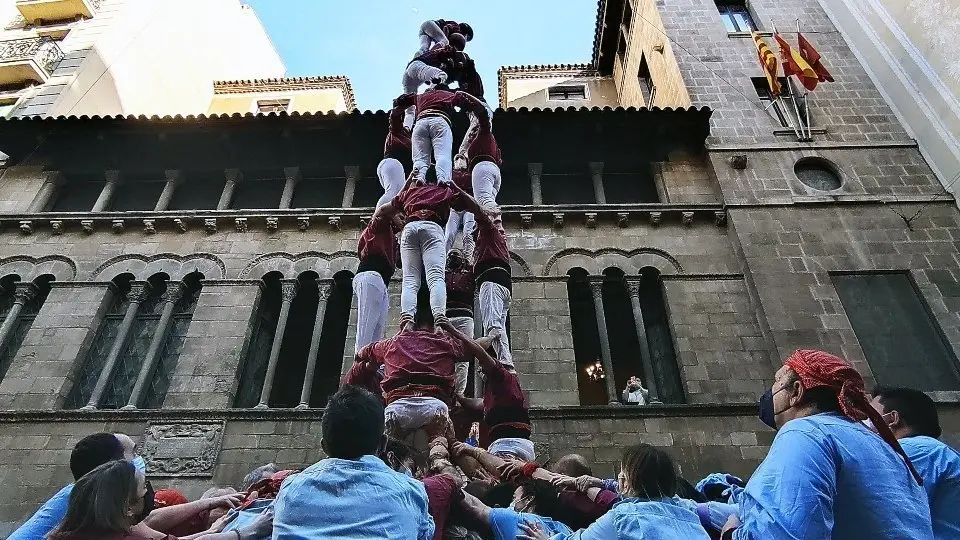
<point x="546" y="71"/>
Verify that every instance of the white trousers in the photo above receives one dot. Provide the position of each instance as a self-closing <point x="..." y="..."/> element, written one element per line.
<point x="432" y="136"/>
<point x="430" y="33"/>
<point x="494" y="306"/>
<point x="486" y="184"/>
<point x="372" y="304"/>
<point x="421" y="252"/>
<point x="454" y="223"/>
<point x="392" y="178"/>
<point x="465" y="326"/>
<point x="418" y="73"/>
<point x="411" y="413"/>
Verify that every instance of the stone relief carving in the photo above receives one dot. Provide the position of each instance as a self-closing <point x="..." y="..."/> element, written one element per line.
<point x="182" y="449"/>
<point x="176" y="266"/>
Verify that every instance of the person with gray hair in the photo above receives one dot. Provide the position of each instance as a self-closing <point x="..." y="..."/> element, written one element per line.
<point x="258" y="474"/>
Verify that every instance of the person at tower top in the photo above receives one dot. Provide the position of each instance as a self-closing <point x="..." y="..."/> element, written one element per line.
<point x="912" y="417"/>
<point x="827" y="475"/>
<point x="438" y="32"/>
<point x="439" y="63"/>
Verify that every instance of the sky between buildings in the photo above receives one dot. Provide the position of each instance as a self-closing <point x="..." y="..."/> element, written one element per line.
<point x="371" y="41"/>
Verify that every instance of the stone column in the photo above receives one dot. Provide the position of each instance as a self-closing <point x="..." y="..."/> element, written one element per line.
<point x="288" y="290"/>
<point x="233" y="176"/>
<point x="535" y="170"/>
<point x="634" y="287"/>
<point x="324" y="287"/>
<point x="173" y="180"/>
<point x="23" y="292"/>
<point x="171" y="296"/>
<point x="103" y="201"/>
<point x="292" y="175"/>
<point x="596" y="288"/>
<point x="138" y="293"/>
<point x="353" y="175"/>
<point x="596" y="172"/>
<point x="52" y="180"/>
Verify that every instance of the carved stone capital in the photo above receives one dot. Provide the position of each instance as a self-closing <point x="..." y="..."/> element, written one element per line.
<point x="686" y="218"/>
<point x="210" y="225"/>
<point x="150" y="226"/>
<point x="623" y="220"/>
<point x="656" y="218"/>
<point x="303" y="223"/>
<point x="138" y="291"/>
<point x="56" y="225"/>
<point x="634" y="288"/>
<point x="240" y="224"/>
<point x="324" y="289"/>
<point x="87" y="225"/>
<point x="288" y="289"/>
<point x="596" y="288"/>
<point x="174" y="293"/>
<point x="590" y="219"/>
<point x="24" y="292"/>
<point x="26" y="227"/>
<point x="334" y="222"/>
<point x="273" y="224"/>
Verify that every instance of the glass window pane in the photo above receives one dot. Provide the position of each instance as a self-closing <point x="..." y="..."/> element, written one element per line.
<point x="743" y="21"/>
<point x="728" y="22"/>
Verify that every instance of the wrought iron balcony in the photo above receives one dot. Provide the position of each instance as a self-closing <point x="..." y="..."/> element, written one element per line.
<point x="28" y="59"/>
<point x="41" y="11"/>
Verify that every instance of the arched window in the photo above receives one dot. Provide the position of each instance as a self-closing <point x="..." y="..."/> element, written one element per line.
<point x="586" y="339"/>
<point x="19" y="304"/>
<point x="621" y="331"/>
<point x="296" y="354"/>
<point x="137" y="344"/>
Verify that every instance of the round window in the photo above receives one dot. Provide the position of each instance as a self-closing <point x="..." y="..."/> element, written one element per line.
<point x="818" y="174"/>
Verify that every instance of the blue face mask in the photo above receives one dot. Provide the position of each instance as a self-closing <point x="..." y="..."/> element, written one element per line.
<point x="140" y="464"/>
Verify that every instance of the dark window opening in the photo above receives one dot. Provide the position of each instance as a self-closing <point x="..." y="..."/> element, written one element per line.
<point x="24" y="320"/>
<point x="367" y="192"/>
<point x="586" y="338"/>
<point x="567" y="187"/>
<point x="900" y="337"/>
<point x="200" y="190"/>
<point x="292" y="364"/>
<point x="515" y="187"/>
<point x="781" y="109"/>
<point x="622" y="47"/>
<point x="333" y="340"/>
<point x="567" y="92"/>
<point x="637" y="186"/>
<point x="314" y="191"/>
<point x="260" y="190"/>
<point x="627" y="17"/>
<point x="266" y="106"/>
<point x="663" y="356"/>
<point x="137" y="193"/>
<point x="736" y="16"/>
<point x="647" y="88"/>
<point x="258" y="350"/>
<point x="78" y="193"/>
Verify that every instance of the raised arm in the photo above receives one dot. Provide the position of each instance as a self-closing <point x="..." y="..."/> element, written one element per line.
<point x="404" y="101"/>
<point x="469" y="103"/>
<point x="471" y="346"/>
<point x="168" y="518"/>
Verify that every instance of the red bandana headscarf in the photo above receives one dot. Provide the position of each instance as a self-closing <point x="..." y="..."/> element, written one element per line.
<point x="820" y="369"/>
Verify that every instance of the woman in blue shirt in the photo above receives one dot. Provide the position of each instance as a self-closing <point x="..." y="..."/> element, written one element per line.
<point x="648" y="481"/>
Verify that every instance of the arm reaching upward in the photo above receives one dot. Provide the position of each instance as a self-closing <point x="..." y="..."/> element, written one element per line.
<point x="404" y="101"/>
<point x="474" y="348"/>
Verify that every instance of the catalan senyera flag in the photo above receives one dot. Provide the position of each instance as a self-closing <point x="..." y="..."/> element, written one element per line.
<point x="768" y="61"/>
<point x="794" y="64"/>
<point x="813" y="58"/>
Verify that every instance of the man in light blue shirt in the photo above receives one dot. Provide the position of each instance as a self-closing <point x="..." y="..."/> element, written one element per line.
<point x="827" y="476"/>
<point x="913" y="418"/>
<point x="353" y="493"/>
<point x="88" y="454"/>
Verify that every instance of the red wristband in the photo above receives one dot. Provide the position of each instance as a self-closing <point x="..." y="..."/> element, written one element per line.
<point x="529" y="468"/>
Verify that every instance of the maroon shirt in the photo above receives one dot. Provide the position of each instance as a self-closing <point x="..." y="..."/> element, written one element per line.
<point x="416" y="357"/>
<point x="469" y="79"/>
<point x="436" y="101"/>
<point x="442" y="493"/>
<point x="378" y="239"/>
<point x="366" y="378"/>
<point x="491" y="248"/>
<point x="430" y="202"/>
<point x="463" y="179"/>
<point x="460" y="288"/>
<point x="438" y="56"/>
<point x="397" y="145"/>
<point x="448" y="27"/>
<point x="503" y="402"/>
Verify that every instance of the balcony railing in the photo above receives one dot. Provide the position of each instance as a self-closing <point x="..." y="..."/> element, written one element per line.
<point x="28" y="59"/>
<point x="45" y="11"/>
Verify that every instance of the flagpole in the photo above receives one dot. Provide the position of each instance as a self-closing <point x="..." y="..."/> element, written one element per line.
<point x="806" y="101"/>
<point x="795" y="128"/>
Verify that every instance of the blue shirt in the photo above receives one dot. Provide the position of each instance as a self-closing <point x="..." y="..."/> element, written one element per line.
<point x="939" y="465"/>
<point x="629" y="519"/>
<point x="46" y="518"/>
<point x="505" y="523"/>
<point x="829" y="477"/>
<point x="362" y="499"/>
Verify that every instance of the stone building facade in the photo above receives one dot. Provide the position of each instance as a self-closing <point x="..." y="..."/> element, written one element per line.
<point x="687" y="244"/>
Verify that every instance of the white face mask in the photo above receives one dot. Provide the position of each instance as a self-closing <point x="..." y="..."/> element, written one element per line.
<point x="140" y="464"/>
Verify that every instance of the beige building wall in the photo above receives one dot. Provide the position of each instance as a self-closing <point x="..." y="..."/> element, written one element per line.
<point x="909" y="49"/>
<point x="646" y="39"/>
<point x="147" y="57"/>
<point x="529" y="87"/>
<point x="304" y="95"/>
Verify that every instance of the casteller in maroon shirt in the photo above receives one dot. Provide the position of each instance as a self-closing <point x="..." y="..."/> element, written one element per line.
<point x="366" y="376"/>
<point x="464" y="180"/>
<point x="505" y="405"/>
<point x="439" y="56"/>
<point x="443" y="492"/>
<point x="437" y="100"/>
<point x="397" y="145"/>
<point x="423" y="201"/>
<point x="416" y="363"/>
<point x="491" y="256"/>
<point x="377" y="248"/>
<point x="460" y="289"/>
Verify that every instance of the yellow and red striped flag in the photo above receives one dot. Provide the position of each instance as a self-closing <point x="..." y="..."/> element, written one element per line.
<point x="795" y="64"/>
<point x="813" y="58"/>
<point x="768" y="61"/>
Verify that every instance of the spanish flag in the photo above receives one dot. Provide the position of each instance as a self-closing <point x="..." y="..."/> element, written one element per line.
<point x="813" y="58"/>
<point x="795" y="64"/>
<point x="768" y="61"/>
